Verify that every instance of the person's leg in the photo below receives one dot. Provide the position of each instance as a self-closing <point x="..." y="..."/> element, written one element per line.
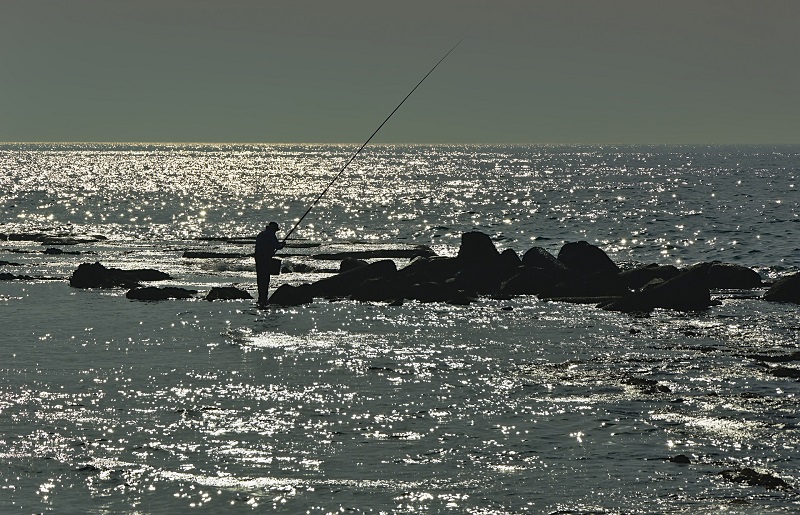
<point x="263" y="284"/>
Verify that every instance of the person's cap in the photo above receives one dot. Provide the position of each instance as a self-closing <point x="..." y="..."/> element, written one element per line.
<point x="273" y="226"/>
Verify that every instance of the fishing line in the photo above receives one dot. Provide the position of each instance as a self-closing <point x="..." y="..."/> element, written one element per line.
<point x="324" y="191"/>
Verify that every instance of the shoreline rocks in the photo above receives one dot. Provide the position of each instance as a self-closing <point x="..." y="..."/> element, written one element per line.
<point x="580" y="273"/>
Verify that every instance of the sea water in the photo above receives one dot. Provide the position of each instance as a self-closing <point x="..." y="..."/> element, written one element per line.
<point x="502" y="406"/>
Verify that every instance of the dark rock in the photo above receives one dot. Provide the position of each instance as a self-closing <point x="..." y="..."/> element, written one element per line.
<point x="530" y="281"/>
<point x="153" y="293"/>
<point x="477" y="247"/>
<point x="789" y="372"/>
<point x="288" y="295"/>
<point x="477" y="278"/>
<point x="537" y="257"/>
<point x="649" y="386"/>
<point x="603" y="283"/>
<point x="351" y="263"/>
<point x="345" y="283"/>
<point x="729" y="276"/>
<point x="56" y="252"/>
<point x="97" y="276"/>
<point x="754" y="478"/>
<point x="508" y="264"/>
<point x="681" y="458"/>
<point x="639" y="277"/>
<point x="380" y="289"/>
<point x="786" y="289"/>
<point x="65" y="240"/>
<point x="11" y="277"/>
<point x="227" y="293"/>
<point x="782" y="358"/>
<point x="437" y="292"/>
<point x="433" y="269"/>
<point x="688" y="291"/>
<point x="584" y="258"/>
<point x="145" y="274"/>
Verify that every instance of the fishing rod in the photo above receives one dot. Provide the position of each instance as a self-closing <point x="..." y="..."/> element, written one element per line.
<point x="322" y="194"/>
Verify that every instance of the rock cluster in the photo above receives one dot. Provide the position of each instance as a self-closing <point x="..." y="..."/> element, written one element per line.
<point x="581" y="272"/>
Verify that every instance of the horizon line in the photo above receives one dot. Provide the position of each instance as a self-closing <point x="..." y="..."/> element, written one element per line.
<point x="392" y="143"/>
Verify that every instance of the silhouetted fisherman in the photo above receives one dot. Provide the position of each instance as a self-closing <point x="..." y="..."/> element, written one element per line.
<point x="266" y="245"/>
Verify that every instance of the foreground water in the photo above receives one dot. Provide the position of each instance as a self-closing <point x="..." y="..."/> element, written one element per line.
<point x="502" y="406"/>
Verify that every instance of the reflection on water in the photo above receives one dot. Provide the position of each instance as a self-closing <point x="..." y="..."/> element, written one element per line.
<point x="506" y="405"/>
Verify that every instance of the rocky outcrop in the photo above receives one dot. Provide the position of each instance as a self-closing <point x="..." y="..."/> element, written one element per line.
<point x="153" y="293"/>
<point x="227" y="293"/>
<point x="786" y="289"/>
<point x="582" y="272"/>
<point x="95" y="275"/>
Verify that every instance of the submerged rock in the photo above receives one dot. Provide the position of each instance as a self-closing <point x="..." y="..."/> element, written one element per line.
<point x="753" y="478"/>
<point x="227" y="293"/>
<point x="153" y="293"/>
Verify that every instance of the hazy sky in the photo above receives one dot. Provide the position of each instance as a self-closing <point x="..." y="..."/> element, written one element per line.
<point x="611" y="71"/>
